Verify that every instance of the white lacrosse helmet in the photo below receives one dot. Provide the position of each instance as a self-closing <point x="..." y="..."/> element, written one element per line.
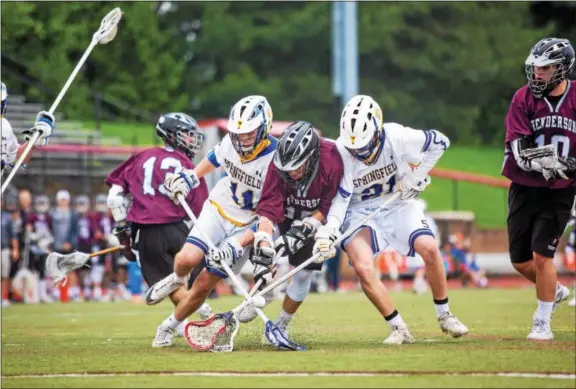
<point x="251" y="114"/>
<point x="361" y="128"/>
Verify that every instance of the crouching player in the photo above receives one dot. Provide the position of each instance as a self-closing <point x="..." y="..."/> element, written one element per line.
<point x="377" y="158"/>
<point x="297" y="194"/>
<point x="246" y="153"/>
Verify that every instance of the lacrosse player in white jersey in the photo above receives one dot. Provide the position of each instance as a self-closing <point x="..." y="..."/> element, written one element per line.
<point x="377" y="159"/>
<point x="11" y="150"/>
<point x="245" y="153"/>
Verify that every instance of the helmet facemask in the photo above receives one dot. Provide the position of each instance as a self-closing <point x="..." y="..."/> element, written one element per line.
<point x="249" y="144"/>
<point x="369" y="154"/>
<point x="541" y="88"/>
<point x="189" y="141"/>
<point x="307" y="170"/>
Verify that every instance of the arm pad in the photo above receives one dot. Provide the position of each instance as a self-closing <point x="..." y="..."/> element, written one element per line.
<point x="116" y="203"/>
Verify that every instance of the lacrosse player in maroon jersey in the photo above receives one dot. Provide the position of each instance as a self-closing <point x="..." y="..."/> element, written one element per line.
<point x="157" y="226"/>
<point x="297" y="194"/>
<point x="539" y="160"/>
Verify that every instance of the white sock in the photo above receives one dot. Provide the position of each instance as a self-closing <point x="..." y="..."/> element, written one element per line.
<point x="172" y="322"/>
<point x="395" y="320"/>
<point x="441" y="307"/>
<point x="284" y="317"/>
<point x="181" y="326"/>
<point x="544" y="311"/>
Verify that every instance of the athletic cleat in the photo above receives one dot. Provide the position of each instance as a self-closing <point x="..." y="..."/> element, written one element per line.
<point x="562" y="294"/>
<point x="205" y="312"/>
<point x="449" y="324"/>
<point x="164" y="336"/>
<point x="572" y="302"/>
<point x="162" y="289"/>
<point x="399" y="335"/>
<point x="540" y="331"/>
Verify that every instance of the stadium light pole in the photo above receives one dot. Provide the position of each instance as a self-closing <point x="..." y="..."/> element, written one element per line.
<point x="350" y="50"/>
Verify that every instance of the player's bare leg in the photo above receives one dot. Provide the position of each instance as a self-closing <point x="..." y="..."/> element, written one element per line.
<point x="360" y="252"/>
<point x="191" y="301"/>
<point x="546" y="279"/>
<point x="184" y="262"/>
<point x="529" y="270"/>
<point x="426" y="246"/>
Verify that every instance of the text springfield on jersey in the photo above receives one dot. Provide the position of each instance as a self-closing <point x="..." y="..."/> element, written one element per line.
<point x="375" y="175"/>
<point x="240" y="175"/>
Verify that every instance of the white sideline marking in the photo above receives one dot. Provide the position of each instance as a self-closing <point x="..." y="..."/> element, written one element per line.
<point x="294" y="374"/>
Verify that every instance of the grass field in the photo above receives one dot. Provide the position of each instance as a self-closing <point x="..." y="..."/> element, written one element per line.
<point x="108" y="345"/>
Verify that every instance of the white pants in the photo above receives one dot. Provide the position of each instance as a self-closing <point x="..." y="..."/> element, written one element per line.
<point x="397" y="227"/>
<point x="212" y="227"/>
<point x="6" y="263"/>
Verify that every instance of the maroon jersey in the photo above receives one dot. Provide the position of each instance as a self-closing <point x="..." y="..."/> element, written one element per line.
<point x="143" y="176"/>
<point x="548" y="123"/>
<point x="39" y="221"/>
<point x="87" y="229"/>
<point x="281" y="200"/>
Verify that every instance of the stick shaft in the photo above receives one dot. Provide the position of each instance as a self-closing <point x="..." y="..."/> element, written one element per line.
<point x="105" y="251"/>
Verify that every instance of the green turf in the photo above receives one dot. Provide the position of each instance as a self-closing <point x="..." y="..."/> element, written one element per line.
<point x="343" y="331"/>
<point x="487" y="203"/>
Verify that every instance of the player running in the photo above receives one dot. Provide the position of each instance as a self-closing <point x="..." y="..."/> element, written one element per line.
<point x="245" y="153"/>
<point x="376" y="158"/>
<point x="297" y="194"/>
<point x="541" y="116"/>
<point x="154" y="224"/>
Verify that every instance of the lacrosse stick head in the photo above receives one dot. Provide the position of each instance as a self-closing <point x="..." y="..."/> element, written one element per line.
<point x="108" y="27"/>
<point x="59" y="265"/>
<point x="279" y="339"/>
<point x="215" y="334"/>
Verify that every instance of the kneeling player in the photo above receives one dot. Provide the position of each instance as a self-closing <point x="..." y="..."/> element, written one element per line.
<point x="246" y="153"/>
<point x="297" y="194"/>
<point x="377" y="160"/>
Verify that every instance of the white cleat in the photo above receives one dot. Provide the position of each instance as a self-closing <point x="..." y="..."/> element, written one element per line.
<point x="540" y="331"/>
<point x="162" y="289"/>
<point x="449" y="324"/>
<point x="399" y="335"/>
<point x="205" y="312"/>
<point x="562" y="294"/>
<point x="572" y="302"/>
<point x="164" y="336"/>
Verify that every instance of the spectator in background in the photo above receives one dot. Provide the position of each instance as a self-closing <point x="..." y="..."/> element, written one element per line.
<point x="40" y="238"/>
<point x="469" y="269"/>
<point x="65" y="230"/>
<point x="9" y="208"/>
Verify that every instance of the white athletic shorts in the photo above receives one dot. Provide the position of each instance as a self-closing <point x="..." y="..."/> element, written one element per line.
<point x="397" y="227"/>
<point x="211" y="225"/>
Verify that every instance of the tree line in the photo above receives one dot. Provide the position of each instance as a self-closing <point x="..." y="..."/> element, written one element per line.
<point x="448" y="65"/>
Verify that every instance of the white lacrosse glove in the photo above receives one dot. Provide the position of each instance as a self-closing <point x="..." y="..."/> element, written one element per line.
<point x="546" y="157"/>
<point x="181" y="182"/>
<point x="44" y="125"/>
<point x="298" y="235"/>
<point x="325" y="238"/>
<point x="410" y="186"/>
<point x="229" y="254"/>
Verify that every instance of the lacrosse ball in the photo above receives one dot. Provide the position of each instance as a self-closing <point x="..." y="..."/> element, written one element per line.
<point x="259" y="301"/>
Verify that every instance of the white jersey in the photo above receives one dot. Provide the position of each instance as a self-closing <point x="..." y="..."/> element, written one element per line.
<point x="9" y="143"/>
<point x="238" y="193"/>
<point x="368" y="186"/>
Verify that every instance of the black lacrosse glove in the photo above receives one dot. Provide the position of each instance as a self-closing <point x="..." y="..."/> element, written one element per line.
<point x="262" y="260"/>
<point x="296" y="237"/>
<point x="570" y="163"/>
<point x="124" y="235"/>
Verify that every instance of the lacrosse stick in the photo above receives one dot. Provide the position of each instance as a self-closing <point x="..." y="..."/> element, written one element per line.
<point x="312" y="259"/>
<point x="197" y="335"/>
<point x="58" y="265"/>
<point x="105" y="34"/>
